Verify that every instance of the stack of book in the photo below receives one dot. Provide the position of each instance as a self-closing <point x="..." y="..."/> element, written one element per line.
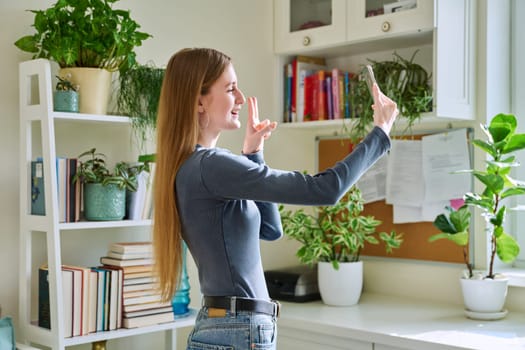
<point x="141" y="299"/>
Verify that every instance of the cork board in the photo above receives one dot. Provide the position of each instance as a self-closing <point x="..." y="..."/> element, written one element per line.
<point x="415" y="244"/>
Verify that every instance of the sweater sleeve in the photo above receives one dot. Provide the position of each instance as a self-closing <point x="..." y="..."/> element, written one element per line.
<point x="243" y="177"/>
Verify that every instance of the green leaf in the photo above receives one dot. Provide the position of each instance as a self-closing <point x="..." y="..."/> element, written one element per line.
<point x="485" y="146"/>
<point x="507" y="248"/>
<point x="493" y="181"/>
<point x="460" y="238"/>
<point x="460" y="219"/>
<point x="501" y="126"/>
<point x="515" y="143"/>
<point x="444" y="224"/>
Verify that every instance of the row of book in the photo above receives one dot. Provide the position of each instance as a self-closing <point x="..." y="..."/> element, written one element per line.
<point x="121" y="293"/>
<point x="315" y="92"/>
<point x="139" y="204"/>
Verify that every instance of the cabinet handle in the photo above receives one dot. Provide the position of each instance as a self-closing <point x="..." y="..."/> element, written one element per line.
<point x="306" y="41"/>
<point x="385" y="27"/>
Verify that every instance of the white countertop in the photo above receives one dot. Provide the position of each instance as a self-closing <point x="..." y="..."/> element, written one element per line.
<point x="406" y="323"/>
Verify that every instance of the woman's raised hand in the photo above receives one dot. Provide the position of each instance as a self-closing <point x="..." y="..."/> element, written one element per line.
<point x="385" y="110"/>
<point x="256" y="131"/>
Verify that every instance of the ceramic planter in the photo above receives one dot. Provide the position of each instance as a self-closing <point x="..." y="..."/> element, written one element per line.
<point x="484" y="296"/>
<point x="104" y="203"/>
<point x="65" y="101"/>
<point x="341" y="287"/>
<point x="94" y="88"/>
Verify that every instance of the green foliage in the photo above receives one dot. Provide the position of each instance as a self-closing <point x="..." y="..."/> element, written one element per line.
<point x="95" y="170"/>
<point x="64" y="84"/>
<point x="405" y="82"/>
<point x="501" y="141"/>
<point x="138" y="97"/>
<point x="337" y="233"/>
<point x="84" y="33"/>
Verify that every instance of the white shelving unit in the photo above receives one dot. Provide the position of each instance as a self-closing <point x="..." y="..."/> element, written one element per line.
<point x="36" y="107"/>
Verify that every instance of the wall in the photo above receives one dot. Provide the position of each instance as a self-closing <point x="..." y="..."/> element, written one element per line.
<point x="243" y="29"/>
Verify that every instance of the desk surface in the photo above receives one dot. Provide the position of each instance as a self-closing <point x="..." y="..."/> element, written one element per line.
<point x="406" y="323"/>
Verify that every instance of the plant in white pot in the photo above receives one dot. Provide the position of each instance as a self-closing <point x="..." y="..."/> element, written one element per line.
<point x="87" y="34"/>
<point x="488" y="287"/>
<point x="334" y="239"/>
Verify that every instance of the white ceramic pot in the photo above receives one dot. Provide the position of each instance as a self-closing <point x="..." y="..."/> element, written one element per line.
<point x="487" y="295"/>
<point x="94" y="88"/>
<point x="341" y="287"/>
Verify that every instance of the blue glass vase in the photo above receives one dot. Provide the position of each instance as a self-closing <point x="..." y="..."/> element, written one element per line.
<point x="181" y="299"/>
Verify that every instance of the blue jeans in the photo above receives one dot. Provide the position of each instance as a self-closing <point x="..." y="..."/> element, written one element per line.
<point x="242" y="330"/>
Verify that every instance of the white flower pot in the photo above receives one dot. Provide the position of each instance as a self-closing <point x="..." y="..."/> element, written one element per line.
<point x="340" y="287"/>
<point x="484" y="295"/>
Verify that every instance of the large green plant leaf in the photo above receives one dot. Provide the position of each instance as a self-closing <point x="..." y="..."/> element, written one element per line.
<point x="507" y="248"/>
<point x="516" y="142"/>
<point x="501" y="126"/>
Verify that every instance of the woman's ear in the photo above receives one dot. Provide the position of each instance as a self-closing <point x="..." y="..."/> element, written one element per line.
<point x="200" y="107"/>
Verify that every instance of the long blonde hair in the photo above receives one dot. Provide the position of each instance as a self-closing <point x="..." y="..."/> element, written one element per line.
<point x="189" y="74"/>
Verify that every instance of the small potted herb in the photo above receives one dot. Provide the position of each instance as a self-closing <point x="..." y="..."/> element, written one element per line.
<point x="65" y="96"/>
<point x="104" y="190"/>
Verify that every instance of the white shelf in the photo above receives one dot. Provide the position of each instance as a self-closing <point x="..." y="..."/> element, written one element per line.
<point x="40" y="109"/>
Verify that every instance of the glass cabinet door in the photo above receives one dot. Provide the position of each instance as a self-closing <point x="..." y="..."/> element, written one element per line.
<point x="305" y="24"/>
<point x="369" y="19"/>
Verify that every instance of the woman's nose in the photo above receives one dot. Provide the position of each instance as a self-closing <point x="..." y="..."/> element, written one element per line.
<point x="240" y="99"/>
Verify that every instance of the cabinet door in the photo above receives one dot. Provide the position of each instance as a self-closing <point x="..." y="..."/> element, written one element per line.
<point x="454" y="65"/>
<point x="371" y="19"/>
<point x="294" y="339"/>
<point x="302" y="25"/>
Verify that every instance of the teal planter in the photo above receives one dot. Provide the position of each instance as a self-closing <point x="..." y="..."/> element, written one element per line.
<point x="65" y="101"/>
<point x="104" y="203"/>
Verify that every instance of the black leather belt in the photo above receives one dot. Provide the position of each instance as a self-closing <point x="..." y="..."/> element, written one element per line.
<point x="234" y="304"/>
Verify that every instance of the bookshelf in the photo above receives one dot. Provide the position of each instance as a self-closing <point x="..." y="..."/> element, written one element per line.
<point x="441" y="31"/>
<point x="35" y="83"/>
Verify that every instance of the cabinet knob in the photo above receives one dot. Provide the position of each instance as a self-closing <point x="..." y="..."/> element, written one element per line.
<point x="385" y="27"/>
<point x="306" y="41"/>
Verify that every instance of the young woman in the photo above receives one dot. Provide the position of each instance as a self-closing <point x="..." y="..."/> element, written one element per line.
<point x="222" y="204"/>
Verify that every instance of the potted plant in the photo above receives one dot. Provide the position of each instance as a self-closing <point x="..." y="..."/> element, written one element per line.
<point x="65" y="96"/>
<point x="404" y="81"/>
<point x="138" y="97"/>
<point x="89" y="34"/>
<point x="500" y="146"/>
<point x="334" y="239"/>
<point x="104" y="191"/>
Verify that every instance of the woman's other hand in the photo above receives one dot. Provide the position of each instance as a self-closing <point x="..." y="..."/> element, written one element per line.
<point x="385" y="110"/>
<point x="256" y="131"/>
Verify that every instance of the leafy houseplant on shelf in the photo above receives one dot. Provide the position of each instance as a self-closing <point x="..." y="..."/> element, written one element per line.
<point x="138" y="97"/>
<point x="104" y="190"/>
<point x="334" y="239"/>
<point x="501" y="143"/>
<point x="403" y="80"/>
<point x="90" y="34"/>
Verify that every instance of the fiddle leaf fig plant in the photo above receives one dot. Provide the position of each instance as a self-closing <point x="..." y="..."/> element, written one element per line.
<point x="500" y="144"/>
<point x="337" y="233"/>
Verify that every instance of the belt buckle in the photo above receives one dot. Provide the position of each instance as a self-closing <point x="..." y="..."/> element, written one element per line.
<point x="277" y="308"/>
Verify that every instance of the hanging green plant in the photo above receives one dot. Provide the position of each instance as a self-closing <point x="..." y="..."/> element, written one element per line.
<point x="404" y="81"/>
<point x="138" y="97"/>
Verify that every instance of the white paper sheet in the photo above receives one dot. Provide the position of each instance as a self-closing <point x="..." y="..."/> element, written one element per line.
<point x="443" y="154"/>
<point x="373" y="183"/>
<point x="404" y="180"/>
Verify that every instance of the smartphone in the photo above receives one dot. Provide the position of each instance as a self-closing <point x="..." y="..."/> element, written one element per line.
<point x="370" y="78"/>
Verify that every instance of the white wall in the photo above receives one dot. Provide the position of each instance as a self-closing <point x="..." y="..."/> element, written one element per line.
<point x="243" y="29"/>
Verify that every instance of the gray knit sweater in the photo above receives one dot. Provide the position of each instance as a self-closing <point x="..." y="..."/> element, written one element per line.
<point x="227" y="203"/>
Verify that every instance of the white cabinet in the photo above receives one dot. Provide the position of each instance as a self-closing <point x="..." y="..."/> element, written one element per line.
<point x="373" y="19"/>
<point x="38" y="123"/>
<point x="441" y="31"/>
<point x="327" y="16"/>
<point x="289" y="338"/>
